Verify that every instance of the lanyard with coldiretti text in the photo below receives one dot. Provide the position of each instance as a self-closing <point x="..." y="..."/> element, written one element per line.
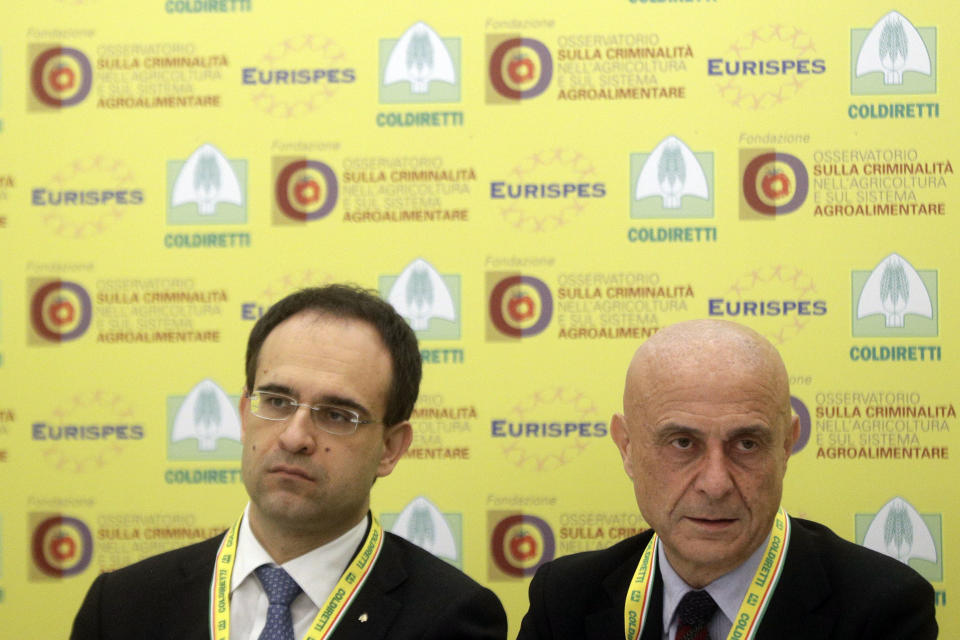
<point x="332" y="610"/>
<point x="754" y="602"/>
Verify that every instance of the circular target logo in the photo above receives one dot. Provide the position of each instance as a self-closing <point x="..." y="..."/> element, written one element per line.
<point x="306" y="190"/>
<point x="775" y="183"/>
<point x="521" y="543"/>
<point x="61" y="311"/>
<point x="521" y="68"/>
<point x="804" y="414"/>
<point x="62" y="546"/>
<point x="61" y="77"/>
<point x="521" y="306"/>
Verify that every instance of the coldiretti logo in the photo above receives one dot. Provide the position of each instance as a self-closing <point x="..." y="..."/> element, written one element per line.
<point x="420" y="66"/>
<point x="422" y="523"/>
<point x="893" y="57"/>
<point x="901" y="532"/>
<point x="895" y="299"/>
<point x="429" y="301"/>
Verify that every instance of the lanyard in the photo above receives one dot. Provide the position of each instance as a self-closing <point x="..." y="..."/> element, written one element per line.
<point x="754" y="602"/>
<point x="330" y="613"/>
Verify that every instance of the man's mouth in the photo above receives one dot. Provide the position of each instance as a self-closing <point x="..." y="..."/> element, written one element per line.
<point x="712" y="523"/>
<point x="292" y="471"/>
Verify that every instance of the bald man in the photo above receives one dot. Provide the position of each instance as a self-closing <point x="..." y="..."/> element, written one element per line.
<point x="705" y="435"/>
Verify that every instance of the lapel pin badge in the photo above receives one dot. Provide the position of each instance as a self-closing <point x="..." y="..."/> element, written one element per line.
<point x="363" y="617"/>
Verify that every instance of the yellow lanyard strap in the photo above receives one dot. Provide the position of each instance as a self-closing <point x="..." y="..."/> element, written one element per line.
<point x="754" y="602"/>
<point x="330" y="613"/>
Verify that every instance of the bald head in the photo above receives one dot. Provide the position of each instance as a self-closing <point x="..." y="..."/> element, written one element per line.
<point x="706" y="352"/>
<point x="705" y="436"/>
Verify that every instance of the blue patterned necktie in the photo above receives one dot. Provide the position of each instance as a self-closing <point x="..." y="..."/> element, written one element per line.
<point x="281" y="589"/>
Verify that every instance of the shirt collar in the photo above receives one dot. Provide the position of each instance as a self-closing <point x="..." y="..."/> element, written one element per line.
<point x="316" y="571"/>
<point x="728" y="591"/>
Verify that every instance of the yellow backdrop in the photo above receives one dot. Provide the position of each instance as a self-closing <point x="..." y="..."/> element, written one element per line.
<point x="537" y="187"/>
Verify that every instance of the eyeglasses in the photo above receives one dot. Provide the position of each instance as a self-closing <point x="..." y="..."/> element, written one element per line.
<point x="330" y="418"/>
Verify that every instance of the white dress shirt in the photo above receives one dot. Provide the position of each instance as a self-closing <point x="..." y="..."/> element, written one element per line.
<point x="317" y="573"/>
<point x="728" y="591"/>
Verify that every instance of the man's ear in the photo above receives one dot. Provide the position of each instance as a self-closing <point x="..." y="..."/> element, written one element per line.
<point x="621" y="437"/>
<point x="244" y="403"/>
<point x="792" y="435"/>
<point x="396" y="441"/>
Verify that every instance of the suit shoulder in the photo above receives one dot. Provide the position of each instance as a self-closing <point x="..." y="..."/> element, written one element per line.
<point x="160" y="568"/>
<point x="862" y="593"/>
<point x="601" y="561"/>
<point x="856" y="565"/>
<point x="423" y="565"/>
<point x="440" y="601"/>
<point x="848" y="554"/>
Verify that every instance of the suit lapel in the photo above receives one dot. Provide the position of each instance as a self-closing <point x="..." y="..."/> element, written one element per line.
<point x="803" y="586"/>
<point x="189" y="614"/>
<point x="607" y="622"/>
<point x="373" y="611"/>
<point x="791" y="615"/>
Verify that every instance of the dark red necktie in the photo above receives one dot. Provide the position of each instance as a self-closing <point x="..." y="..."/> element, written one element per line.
<point x="694" y="613"/>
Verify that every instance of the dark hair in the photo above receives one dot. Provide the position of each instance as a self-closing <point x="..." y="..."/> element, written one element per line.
<point x="349" y="301"/>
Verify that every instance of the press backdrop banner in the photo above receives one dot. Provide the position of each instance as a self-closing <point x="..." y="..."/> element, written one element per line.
<point x="537" y="188"/>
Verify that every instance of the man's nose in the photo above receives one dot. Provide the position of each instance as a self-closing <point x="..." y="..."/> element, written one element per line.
<point x="713" y="477"/>
<point x="299" y="434"/>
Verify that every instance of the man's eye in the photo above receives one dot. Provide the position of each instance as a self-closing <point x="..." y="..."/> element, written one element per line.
<point x="275" y="402"/>
<point x="332" y="414"/>
<point x="682" y="443"/>
<point x="748" y="445"/>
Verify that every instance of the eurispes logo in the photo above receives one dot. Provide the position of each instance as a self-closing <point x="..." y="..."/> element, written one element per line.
<point x="773" y="183"/>
<point x="548" y="189"/>
<point x="203" y="425"/>
<point x="895" y="299"/>
<point x="60" y="311"/>
<point x="672" y="181"/>
<point x="901" y="532"/>
<point x="766" y="66"/>
<point x="519" y="544"/>
<point x="420" y="66"/>
<point x="85" y="431"/>
<point x="893" y="57"/>
<point x="86" y="196"/>
<point x="58" y="77"/>
<point x="518" y="68"/>
<point x="298" y="75"/>
<point x="429" y="301"/>
<point x="780" y="301"/>
<point x="207" y="188"/>
<point x="304" y="190"/>
<point x="423" y="524"/>
<point x="547" y="429"/>
<point x="60" y="546"/>
<point x="519" y="306"/>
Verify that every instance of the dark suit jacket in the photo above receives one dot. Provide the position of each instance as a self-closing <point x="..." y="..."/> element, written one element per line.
<point x="409" y="594"/>
<point x="829" y="588"/>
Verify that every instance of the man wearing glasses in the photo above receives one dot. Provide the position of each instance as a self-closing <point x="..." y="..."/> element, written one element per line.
<point x="332" y="375"/>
